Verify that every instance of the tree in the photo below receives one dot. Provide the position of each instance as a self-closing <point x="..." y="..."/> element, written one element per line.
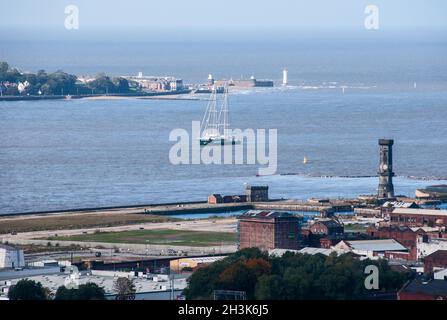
<point x="27" y="289"/>
<point x="102" y="84"/>
<point x="292" y="276"/>
<point x="238" y="277"/>
<point x="88" y="291"/>
<point x="4" y="67"/>
<point x="121" y="85"/>
<point x="63" y="293"/>
<point x="125" y="289"/>
<point x="270" y="287"/>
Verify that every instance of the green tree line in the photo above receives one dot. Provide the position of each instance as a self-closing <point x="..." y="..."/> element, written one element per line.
<point x="293" y="276"/>
<point x="58" y="83"/>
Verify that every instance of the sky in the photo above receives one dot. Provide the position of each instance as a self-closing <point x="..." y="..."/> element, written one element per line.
<point x="224" y="14"/>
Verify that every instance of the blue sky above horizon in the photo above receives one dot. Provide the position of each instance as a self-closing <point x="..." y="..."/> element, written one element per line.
<point x="205" y="14"/>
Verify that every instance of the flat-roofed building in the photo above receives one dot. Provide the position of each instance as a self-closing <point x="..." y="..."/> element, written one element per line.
<point x="371" y="248"/>
<point x="257" y="193"/>
<point x="11" y="257"/>
<point x="438" y="192"/>
<point x="419" y="217"/>
<point x="193" y="263"/>
<point x="268" y="230"/>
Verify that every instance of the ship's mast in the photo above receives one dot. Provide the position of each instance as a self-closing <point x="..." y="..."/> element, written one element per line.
<point x="224" y="115"/>
<point x="209" y="123"/>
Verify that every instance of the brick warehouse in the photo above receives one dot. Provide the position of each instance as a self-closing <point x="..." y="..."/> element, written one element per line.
<point x="418" y="217"/>
<point x="269" y="230"/>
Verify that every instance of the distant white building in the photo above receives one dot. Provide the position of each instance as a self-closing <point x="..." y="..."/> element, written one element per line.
<point x="285" y="77"/>
<point x="11" y="257"/>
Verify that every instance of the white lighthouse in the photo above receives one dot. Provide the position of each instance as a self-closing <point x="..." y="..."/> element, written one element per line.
<point x="285" y="80"/>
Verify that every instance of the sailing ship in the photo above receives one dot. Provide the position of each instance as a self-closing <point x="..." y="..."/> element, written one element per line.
<point x="215" y="124"/>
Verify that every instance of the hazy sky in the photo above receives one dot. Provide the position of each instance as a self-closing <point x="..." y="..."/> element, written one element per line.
<point x="293" y="14"/>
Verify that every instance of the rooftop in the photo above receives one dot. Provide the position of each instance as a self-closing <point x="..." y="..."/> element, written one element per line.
<point x="422" y="212"/>
<point x="312" y="251"/>
<point x="399" y="204"/>
<point x="204" y="259"/>
<point x="442" y="188"/>
<point x="54" y="281"/>
<point x="433" y="288"/>
<point x="280" y="252"/>
<point x="265" y="214"/>
<point x="330" y="223"/>
<point x="376" y="245"/>
<point x="438" y="254"/>
<point x="6" y="247"/>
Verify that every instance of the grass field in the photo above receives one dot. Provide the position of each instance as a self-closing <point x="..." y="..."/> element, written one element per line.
<point x="353" y="227"/>
<point x="158" y="236"/>
<point x="75" y="221"/>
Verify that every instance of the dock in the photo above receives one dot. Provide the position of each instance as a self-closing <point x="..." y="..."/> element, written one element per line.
<point x="197" y="208"/>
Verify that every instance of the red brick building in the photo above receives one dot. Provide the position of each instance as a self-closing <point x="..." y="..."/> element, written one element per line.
<point x="327" y="228"/>
<point x="215" y="199"/>
<point x="403" y="234"/>
<point x="418" y="290"/>
<point x="418" y="217"/>
<point x="437" y="259"/>
<point x="218" y="198"/>
<point x="269" y="230"/>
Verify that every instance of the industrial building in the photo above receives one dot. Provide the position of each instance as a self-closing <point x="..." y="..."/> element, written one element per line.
<point x="257" y="193"/>
<point x="178" y="265"/>
<point x="435" y="261"/>
<point x="148" y="286"/>
<point x="243" y="83"/>
<point x="419" y="217"/>
<point x="157" y="84"/>
<point x="373" y="248"/>
<point x="420" y="290"/>
<point x="268" y="230"/>
<point x="438" y="192"/>
<point x="11" y="257"/>
<point x="327" y="228"/>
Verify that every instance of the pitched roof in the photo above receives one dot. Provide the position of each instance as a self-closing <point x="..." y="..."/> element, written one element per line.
<point x="400" y="204"/>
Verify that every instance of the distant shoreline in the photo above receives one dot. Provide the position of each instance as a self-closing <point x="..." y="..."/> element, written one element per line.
<point x="142" y="95"/>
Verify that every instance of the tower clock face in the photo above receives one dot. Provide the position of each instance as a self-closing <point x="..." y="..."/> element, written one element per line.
<point x="384" y="167"/>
